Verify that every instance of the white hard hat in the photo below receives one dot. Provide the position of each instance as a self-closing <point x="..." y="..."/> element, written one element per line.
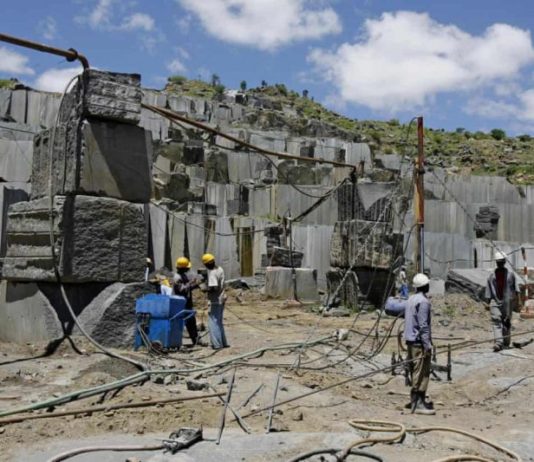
<point x="420" y="280"/>
<point x="500" y="255"/>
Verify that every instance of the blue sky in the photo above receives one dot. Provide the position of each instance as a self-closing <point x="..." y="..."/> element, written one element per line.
<point x="458" y="63"/>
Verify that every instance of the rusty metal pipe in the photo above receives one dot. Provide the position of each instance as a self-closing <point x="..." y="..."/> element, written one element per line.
<point x="70" y="55"/>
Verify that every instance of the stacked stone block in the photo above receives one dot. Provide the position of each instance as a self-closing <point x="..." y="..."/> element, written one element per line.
<point x="95" y="164"/>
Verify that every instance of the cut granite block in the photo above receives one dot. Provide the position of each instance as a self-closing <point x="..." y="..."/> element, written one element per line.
<point x="279" y="283"/>
<point x="110" y="317"/>
<point x="193" y="152"/>
<point x="10" y="193"/>
<point x="96" y="239"/>
<point x="101" y="158"/>
<point x="359" y="243"/>
<point x="112" y="96"/>
<point x="281" y="256"/>
<point x="15" y="160"/>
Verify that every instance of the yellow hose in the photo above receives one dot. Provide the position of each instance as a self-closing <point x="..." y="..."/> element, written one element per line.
<point x="400" y="431"/>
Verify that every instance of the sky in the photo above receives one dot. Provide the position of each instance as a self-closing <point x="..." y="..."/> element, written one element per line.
<point x="458" y="63"/>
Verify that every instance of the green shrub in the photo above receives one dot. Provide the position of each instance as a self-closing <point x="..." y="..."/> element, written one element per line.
<point x="281" y="89"/>
<point x="524" y="138"/>
<point x="498" y="134"/>
<point x="177" y="79"/>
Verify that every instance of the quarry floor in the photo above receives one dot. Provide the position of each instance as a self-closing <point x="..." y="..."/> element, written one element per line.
<point x="489" y="395"/>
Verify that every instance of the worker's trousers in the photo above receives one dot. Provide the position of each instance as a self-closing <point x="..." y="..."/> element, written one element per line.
<point x="215" y="324"/>
<point x="420" y="367"/>
<point x="501" y="320"/>
<point x="192" y="330"/>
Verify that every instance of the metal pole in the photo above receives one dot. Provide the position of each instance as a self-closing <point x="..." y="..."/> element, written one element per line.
<point x="420" y="199"/>
<point x="271" y="411"/>
<point x="226" y="404"/>
<point x="70" y="55"/>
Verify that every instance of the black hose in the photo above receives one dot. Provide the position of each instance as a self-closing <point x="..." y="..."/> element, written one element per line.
<point x="333" y="452"/>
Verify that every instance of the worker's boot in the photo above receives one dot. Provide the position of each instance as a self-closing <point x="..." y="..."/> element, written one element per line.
<point x="422" y="406"/>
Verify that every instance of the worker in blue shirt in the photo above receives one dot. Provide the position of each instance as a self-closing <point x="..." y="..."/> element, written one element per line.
<point x="418" y="338"/>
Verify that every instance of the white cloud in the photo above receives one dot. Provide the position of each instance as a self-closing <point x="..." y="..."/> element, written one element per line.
<point x="265" y="24"/>
<point x="138" y="21"/>
<point x="14" y="63"/>
<point x="184" y="23"/>
<point x="490" y="108"/>
<point x="47" y="27"/>
<point x="176" y="66"/>
<point x="404" y="59"/>
<point x="56" y="79"/>
<point x="101" y="15"/>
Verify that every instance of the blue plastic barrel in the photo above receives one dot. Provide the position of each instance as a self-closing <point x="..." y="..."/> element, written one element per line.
<point x="395" y="307"/>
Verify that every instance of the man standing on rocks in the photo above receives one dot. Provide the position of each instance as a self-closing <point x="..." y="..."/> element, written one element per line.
<point x="216" y="298"/>
<point x="184" y="284"/>
<point x="418" y="337"/>
<point x="501" y="294"/>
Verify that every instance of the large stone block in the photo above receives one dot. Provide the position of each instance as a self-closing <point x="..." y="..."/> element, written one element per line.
<point x="33" y="312"/>
<point x="279" y="283"/>
<point x="359" y="243"/>
<point x="96" y="239"/>
<point x="27" y="314"/>
<point x="15" y="160"/>
<point x="284" y="257"/>
<point x="347" y="294"/>
<point x="10" y="193"/>
<point x="110" y="317"/>
<point x="102" y="158"/>
<point x="111" y="96"/>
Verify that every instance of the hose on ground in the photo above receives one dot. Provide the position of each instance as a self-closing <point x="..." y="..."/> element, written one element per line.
<point x="144" y="375"/>
<point x="400" y="432"/>
<point x="74" y="452"/>
<point x="333" y="452"/>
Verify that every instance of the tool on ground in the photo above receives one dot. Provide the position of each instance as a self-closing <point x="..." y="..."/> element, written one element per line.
<point x="184" y="438"/>
<point x="522" y="344"/>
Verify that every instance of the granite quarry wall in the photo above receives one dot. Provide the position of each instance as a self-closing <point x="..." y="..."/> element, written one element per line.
<point x="127" y="184"/>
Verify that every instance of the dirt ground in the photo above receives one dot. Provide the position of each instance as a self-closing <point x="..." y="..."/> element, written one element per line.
<point x="489" y="394"/>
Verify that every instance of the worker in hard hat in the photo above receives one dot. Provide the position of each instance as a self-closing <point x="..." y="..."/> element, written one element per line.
<point x="184" y="284"/>
<point x="501" y="294"/>
<point x="418" y="338"/>
<point x="402" y="282"/>
<point x="216" y="298"/>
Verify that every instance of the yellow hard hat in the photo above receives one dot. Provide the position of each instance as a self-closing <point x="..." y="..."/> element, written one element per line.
<point x="183" y="262"/>
<point x="207" y="258"/>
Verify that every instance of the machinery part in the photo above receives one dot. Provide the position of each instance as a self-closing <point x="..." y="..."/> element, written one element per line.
<point x="70" y="55"/>
<point x="184" y="438"/>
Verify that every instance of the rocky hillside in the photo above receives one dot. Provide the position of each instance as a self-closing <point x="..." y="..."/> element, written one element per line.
<point x="461" y="151"/>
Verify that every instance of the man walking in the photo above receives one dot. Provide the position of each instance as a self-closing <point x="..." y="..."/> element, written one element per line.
<point x="184" y="284"/>
<point x="216" y="299"/>
<point x="501" y="294"/>
<point x="403" y="282"/>
<point x="418" y="337"/>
